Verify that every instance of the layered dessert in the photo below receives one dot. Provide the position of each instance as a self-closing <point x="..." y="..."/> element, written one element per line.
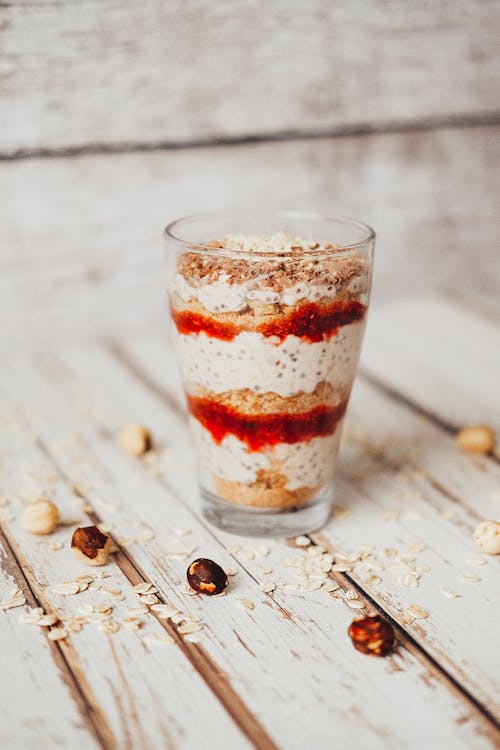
<point x="268" y="331"/>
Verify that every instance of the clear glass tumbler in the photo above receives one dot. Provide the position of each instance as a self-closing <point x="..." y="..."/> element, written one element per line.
<point x="269" y="312"/>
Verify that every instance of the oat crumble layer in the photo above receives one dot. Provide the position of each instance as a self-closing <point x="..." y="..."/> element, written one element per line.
<point x="301" y="260"/>
<point x="269" y="491"/>
<point x="247" y="401"/>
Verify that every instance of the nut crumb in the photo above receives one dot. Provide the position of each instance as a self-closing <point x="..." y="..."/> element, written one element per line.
<point x="135" y="440"/>
<point x="476" y="439"/>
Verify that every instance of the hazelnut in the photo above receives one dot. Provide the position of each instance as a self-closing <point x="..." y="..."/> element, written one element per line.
<point x="206" y="577"/>
<point x="476" y="439"/>
<point x="41" y="517"/>
<point x="91" y="546"/>
<point x="372" y="635"/>
<point x="487" y="537"/>
<point x="135" y="440"/>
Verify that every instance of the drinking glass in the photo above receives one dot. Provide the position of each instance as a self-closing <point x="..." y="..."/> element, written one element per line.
<point x="268" y="314"/>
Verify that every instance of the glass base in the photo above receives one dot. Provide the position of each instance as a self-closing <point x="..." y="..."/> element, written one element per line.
<point x="247" y="521"/>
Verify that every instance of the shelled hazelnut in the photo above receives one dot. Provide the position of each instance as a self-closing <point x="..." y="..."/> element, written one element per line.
<point x="372" y="635"/>
<point x="207" y="577"/>
<point x="41" y="517"/>
<point x="91" y="546"/>
<point x="476" y="439"/>
<point x="487" y="537"/>
<point x="135" y="440"/>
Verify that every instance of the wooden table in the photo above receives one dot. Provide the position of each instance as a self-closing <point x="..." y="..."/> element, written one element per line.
<point x="270" y="669"/>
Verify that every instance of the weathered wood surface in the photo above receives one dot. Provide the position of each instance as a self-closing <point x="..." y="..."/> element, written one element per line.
<point x="461" y="386"/>
<point x="121" y="677"/>
<point x="81" y="238"/>
<point x="96" y="74"/>
<point x="439" y="689"/>
<point x="38" y="699"/>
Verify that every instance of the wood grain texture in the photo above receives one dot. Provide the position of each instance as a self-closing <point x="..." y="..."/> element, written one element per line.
<point x="88" y="394"/>
<point x="454" y="376"/>
<point x="39" y="705"/>
<point x="115" y="73"/>
<point x="81" y="238"/>
<point x="122" y="678"/>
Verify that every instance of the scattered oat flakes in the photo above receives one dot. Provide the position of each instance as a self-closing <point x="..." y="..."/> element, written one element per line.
<point x="189" y="627"/>
<point x="449" y="593"/>
<point x="144" y="588"/>
<point x="131" y="623"/>
<point x="355" y="604"/>
<point x="340" y="568"/>
<point x="163" y="611"/>
<point x="267" y="586"/>
<point x="231" y="571"/>
<point x="417" y="547"/>
<point x="302" y="541"/>
<point x="469" y="578"/>
<point x="330" y="585"/>
<point x="68" y="588"/>
<point x="476" y="561"/>
<point x="55" y="545"/>
<point x="351" y="594"/>
<point x="311" y="585"/>
<point x="233" y="549"/>
<point x="57" y="634"/>
<point x="390" y="552"/>
<point x="245" y="604"/>
<point x="158" y="640"/>
<point x="416" y="612"/>
<point x="149" y="598"/>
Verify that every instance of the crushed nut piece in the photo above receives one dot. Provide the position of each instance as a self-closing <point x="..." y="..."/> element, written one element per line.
<point x="90" y="545"/>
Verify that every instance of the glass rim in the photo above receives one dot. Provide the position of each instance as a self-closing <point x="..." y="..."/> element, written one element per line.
<point x="170" y="232"/>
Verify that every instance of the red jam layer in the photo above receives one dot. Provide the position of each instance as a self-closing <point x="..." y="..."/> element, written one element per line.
<point x="312" y="322"/>
<point x="260" y="430"/>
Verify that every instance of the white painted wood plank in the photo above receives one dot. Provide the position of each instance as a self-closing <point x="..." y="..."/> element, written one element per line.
<point x="173" y="72"/>
<point x="143" y="696"/>
<point x="446" y="359"/>
<point x="37" y="706"/>
<point x="405" y="445"/>
<point x="88" y="395"/>
<point x="81" y="245"/>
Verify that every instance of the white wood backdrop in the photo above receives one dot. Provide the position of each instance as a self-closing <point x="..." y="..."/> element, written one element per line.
<point x="115" y="73"/>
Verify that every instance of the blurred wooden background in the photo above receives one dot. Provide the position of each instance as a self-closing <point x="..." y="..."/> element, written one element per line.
<point x="117" y="117"/>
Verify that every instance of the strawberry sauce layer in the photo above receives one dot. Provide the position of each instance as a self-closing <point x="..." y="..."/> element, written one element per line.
<point x="311" y="322"/>
<point x="260" y="430"/>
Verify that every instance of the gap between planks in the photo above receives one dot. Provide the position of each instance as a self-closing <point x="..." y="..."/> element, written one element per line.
<point x="64" y="656"/>
<point x="463" y="120"/>
<point x="409" y="642"/>
<point x="196" y="654"/>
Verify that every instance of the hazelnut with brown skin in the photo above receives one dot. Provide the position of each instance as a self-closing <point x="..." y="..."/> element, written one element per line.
<point x="206" y="577"/>
<point x="91" y="546"/>
<point x="372" y="635"/>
